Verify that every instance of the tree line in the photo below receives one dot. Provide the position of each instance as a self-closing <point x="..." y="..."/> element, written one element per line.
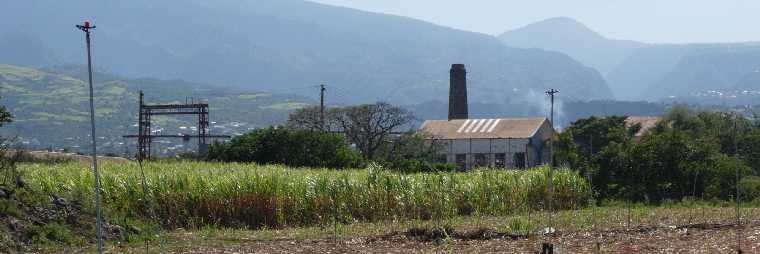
<point x="338" y="137"/>
<point x="687" y="154"/>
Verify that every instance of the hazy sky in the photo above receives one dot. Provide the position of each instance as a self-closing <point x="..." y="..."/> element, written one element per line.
<point x="643" y="20"/>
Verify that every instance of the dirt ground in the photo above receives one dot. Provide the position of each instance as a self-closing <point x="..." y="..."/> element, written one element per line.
<point x="620" y="230"/>
<point x="697" y="239"/>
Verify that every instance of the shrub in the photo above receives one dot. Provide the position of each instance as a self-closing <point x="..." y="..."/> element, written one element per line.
<point x="297" y="148"/>
<point x="751" y="187"/>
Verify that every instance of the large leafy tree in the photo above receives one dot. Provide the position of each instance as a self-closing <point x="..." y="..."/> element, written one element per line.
<point x="580" y="145"/>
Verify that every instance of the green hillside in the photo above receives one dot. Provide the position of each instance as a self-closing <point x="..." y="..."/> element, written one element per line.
<point x="51" y="106"/>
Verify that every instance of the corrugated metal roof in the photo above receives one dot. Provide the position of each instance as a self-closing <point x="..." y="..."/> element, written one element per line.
<point x="483" y="128"/>
<point x="647" y="123"/>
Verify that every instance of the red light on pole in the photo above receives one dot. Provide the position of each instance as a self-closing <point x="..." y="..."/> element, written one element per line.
<point x="87" y="23"/>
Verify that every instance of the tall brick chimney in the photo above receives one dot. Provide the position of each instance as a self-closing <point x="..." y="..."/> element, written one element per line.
<point x="458" y="92"/>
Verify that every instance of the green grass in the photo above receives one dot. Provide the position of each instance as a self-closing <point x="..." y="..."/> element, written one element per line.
<point x="197" y="194"/>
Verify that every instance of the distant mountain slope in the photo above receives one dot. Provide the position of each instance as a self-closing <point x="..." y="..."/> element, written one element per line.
<point x="276" y="44"/>
<point x="644" y="68"/>
<point x="635" y="70"/>
<point x="707" y="68"/>
<point x="574" y="39"/>
<point x="51" y="106"/>
<point x="750" y="82"/>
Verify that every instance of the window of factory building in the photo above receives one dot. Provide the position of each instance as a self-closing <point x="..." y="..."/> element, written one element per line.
<point x="461" y="161"/>
<point x="500" y="160"/>
<point x="519" y="160"/>
<point x="481" y="160"/>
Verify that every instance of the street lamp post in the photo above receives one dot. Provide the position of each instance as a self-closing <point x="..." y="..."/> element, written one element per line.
<point x="86" y="28"/>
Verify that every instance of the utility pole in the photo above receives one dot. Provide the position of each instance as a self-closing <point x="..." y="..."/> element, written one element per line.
<point x="322" y="106"/>
<point x="86" y="28"/>
<point x="548" y="247"/>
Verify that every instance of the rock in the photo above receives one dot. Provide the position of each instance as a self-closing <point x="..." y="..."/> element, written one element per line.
<point x="8" y="191"/>
<point x="113" y="231"/>
<point x="14" y="225"/>
<point x="3" y="194"/>
<point x="60" y="202"/>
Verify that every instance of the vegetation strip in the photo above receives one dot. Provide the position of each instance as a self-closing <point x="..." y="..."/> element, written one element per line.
<point x="192" y="194"/>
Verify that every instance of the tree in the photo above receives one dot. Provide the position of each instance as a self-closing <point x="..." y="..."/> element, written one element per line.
<point x="749" y="148"/>
<point x="309" y="118"/>
<point x="580" y="145"/>
<point x="7" y="163"/>
<point x="412" y="152"/>
<point x="368" y="126"/>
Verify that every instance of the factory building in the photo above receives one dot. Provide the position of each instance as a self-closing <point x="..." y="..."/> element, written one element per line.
<point x="495" y="143"/>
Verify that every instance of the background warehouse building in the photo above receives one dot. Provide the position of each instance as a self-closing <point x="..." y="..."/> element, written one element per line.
<point x="495" y="143"/>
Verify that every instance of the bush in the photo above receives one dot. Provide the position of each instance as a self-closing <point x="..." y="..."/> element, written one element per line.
<point x="296" y="148"/>
<point x="751" y="187"/>
<point x="412" y="153"/>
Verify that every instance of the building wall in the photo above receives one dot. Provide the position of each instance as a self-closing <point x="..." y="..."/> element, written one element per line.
<point x="530" y="152"/>
<point x="472" y="149"/>
<point x="541" y="143"/>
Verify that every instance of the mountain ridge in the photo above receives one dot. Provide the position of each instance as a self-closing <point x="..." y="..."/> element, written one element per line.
<point x="279" y="44"/>
<point x="566" y="35"/>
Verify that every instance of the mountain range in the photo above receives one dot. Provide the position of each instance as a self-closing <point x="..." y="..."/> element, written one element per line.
<point x="268" y="45"/>
<point x="643" y="71"/>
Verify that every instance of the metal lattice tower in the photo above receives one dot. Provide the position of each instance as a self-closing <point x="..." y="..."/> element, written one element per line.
<point x="145" y="137"/>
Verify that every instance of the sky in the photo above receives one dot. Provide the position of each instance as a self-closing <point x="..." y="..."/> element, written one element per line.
<point x="656" y="21"/>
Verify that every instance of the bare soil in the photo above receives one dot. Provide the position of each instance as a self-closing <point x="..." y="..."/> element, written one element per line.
<point x="639" y="230"/>
<point x="667" y="239"/>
